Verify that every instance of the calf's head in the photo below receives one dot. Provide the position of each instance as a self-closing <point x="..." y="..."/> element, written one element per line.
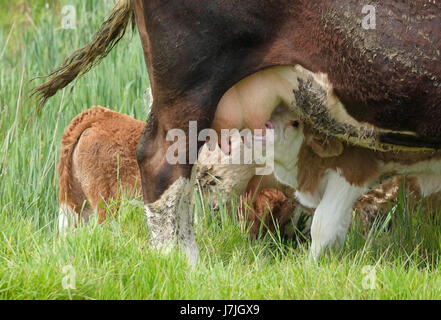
<point x="290" y="136"/>
<point x="288" y="139"/>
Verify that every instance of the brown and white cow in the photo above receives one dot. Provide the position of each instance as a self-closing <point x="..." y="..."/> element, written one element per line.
<point x="329" y="171"/>
<point x="330" y="175"/>
<point x="388" y="76"/>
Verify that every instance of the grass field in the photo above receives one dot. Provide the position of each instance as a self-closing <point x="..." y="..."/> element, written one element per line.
<point x="397" y="259"/>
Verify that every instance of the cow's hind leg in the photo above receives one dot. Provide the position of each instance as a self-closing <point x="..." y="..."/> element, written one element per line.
<point x="166" y="175"/>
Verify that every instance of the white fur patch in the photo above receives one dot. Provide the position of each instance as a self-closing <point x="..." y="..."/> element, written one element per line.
<point x="428" y="174"/>
<point x="162" y="216"/>
<point x="287" y="143"/>
<point x="307" y="199"/>
<point x="333" y="215"/>
<point x="429" y="184"/>
<point x="169" y="220"/>
<point x="66" y="220"/>
<point x="186" y="239"/>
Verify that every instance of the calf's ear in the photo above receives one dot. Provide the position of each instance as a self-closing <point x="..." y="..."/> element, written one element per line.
<point x="323" y="146"/>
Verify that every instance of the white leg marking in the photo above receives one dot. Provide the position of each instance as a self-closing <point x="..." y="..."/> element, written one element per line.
<point x="185" y="223"/>
<point x="66" y="220"/>
<point x="333" y="215"/>
<point x="169" y="220"/>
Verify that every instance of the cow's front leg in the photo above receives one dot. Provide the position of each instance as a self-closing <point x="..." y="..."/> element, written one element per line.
<point x="166" y="153"/>
<point x="333" y="215"/>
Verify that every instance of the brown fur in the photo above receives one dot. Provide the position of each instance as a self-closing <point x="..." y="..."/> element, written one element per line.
<point x="265" y="209"/>
<point x="357" y="165"/>
<point x="90" y="149"/>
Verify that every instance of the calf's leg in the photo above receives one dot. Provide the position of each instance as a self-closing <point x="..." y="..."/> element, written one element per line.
<point x="333" y="215"/>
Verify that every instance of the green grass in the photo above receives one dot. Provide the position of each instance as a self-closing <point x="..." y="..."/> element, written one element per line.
<point x="112" y="260"/>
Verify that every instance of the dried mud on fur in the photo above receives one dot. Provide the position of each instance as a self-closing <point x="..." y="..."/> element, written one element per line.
<point x="312" y="106"/>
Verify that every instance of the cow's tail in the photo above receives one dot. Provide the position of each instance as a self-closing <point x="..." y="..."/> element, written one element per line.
<point x="84" y="59"/>
<point x="69" y="141"/>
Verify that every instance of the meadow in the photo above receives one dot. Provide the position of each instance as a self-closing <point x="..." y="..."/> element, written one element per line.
<point x="397" y="258"/>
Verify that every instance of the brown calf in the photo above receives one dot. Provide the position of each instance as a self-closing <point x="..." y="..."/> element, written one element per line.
<point x="97" y="160"/>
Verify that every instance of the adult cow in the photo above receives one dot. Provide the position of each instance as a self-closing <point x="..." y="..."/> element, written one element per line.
<point x="195" y="50"/>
